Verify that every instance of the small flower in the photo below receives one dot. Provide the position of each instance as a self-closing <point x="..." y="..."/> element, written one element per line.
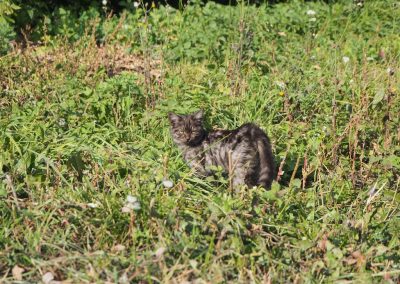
<point x="359" y="4"/>
<point x="136" y="4"/>
<point x="47" y="278"/>
<point x="345" y="59"/>
<point x="280" y="84"/>
<point x="134" y="206"/>
<point x="167" y="183"/>
<point x="126" y="209"/>
<point x="313" y="19"/>
<point x="160" y="251"/>
<point x="390" y="71"/>
<point x="153" y="5"/>
<point x="311" y="13"/>
<point x="93" y="205"/>
<point x="131" y="203"/>
<point x="61" y="122"/>
<point x="104" y="2"/>
<point x="131" y="199"/>
<point x="281" y="33"/>
<point x="123" y="279"/>
<point x="281" y="93"/>
<point x="370" y="58"/>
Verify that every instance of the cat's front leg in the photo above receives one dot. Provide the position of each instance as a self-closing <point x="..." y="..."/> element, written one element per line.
<point x="198" y="168"/>
<point x="238" y="178"/>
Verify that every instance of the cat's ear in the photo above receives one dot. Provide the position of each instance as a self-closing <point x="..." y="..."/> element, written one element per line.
<point x="173" y="118"/>
<point x="199" y="115"/>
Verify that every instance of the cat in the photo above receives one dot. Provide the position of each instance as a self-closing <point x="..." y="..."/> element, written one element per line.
<point x="244" y="153"/>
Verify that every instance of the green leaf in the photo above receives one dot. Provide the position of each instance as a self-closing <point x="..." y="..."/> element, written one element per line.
<point x="3" y="191"/>
<point x="380" y="94"/>
<point x="392" y="161"/>
<point x="296" y="183"/>
<point x="304" y="244"/>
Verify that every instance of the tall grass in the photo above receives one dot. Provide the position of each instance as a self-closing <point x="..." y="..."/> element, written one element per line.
<point x="83" y="126"/>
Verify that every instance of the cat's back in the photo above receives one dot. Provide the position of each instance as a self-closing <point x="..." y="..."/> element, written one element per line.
<point x="252" y="130"/>
<point x="245" y="132"/>
<point x="248" y="130"/>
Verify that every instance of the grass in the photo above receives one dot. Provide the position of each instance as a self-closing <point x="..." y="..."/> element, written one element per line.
<point x="84" y="125"/>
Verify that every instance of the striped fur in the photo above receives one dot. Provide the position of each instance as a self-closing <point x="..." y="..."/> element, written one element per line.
<point x="244" y="153"/>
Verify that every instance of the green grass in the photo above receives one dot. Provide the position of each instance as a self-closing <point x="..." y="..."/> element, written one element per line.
<point x="82" y="124"/>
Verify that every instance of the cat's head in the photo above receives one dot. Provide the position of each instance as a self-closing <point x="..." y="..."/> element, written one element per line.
<point x="187" y="129"/>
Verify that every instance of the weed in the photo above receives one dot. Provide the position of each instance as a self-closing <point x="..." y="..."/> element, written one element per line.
<point x="93" y="190"/>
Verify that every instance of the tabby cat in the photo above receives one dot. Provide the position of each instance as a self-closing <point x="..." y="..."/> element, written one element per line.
<point x="244" y="153"/>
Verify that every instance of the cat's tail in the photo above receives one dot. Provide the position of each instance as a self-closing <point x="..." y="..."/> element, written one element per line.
<point x="266" y="174"/>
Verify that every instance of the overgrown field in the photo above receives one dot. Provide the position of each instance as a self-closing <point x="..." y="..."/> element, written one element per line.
<point x="84" y="132"/>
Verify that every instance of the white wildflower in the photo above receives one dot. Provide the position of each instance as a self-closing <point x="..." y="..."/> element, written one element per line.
<point x="104" y="2"/>
<point x="61" y="122"/>
<point x="351" y="81"/>
<point x="311" y="13"/>
<point x="47" y="278"/>
<point x="167" y="183"/>
<point x="160" y="251"/>
<point x="93" y="205"/>
<point x="123" y="279"/>
<point x="370" y="58"/>
<point x="313" y="19"/>
<point x="131" y="199"/>
<point x="359" y="4"/>
<point x="131" y="203"/>
<point x="345" y="59"/>
<point x="134" y="205"/>
<point x="136" y="4"/>
<point x="280" y="84"/>
<point x="125" y="209"/>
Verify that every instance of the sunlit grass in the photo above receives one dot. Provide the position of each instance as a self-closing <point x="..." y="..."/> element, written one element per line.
<point x="94" y="190"/>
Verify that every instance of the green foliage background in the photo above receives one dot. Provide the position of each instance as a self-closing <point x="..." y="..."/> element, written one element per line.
<point x="83" y="106"/>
